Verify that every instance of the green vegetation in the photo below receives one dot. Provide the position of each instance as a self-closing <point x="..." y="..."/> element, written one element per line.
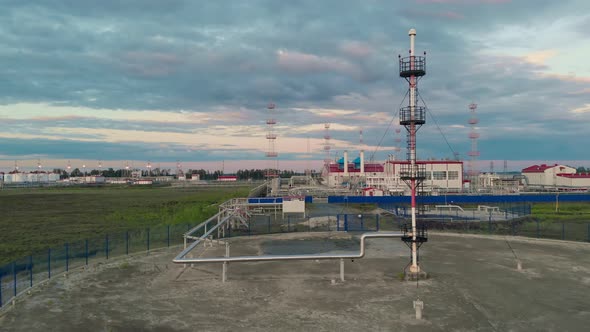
<point x="568" y="212"/>
<point x="36" y="219"/>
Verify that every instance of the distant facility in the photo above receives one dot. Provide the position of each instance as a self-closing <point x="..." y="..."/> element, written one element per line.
<point x="376" y="179"/>
<point x="555" y="176"/>
<point x="26" y="177"/>
<point x="227" y="178"/>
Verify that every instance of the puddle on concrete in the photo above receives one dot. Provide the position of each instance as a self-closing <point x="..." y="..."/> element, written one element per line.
<point x="308" y="246"/>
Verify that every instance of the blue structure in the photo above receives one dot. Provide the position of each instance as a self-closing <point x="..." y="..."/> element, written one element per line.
<point x="462" y="199"/>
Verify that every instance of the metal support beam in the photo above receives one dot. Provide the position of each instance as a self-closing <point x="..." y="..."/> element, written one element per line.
<point x="181" y="259"/>
<point x="224" y="276"/>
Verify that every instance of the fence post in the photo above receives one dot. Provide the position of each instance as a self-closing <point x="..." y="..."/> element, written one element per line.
<point x="588" y="232"/>
<point x="106" y="246"/>
<point x="563" y="231"/>
<point x="49" y="263"/>
<point x="168" y="231"/>
<point x="14" y="276"/>
<point x="268" y="224"/>
<point x="30" y="272"/>
<point x="346" y="222"/>
<point x="148" y="239"/>
<point x="338" y="222"/>
<point x="127" y="242"/>
<point x="0" y="290"/>
<point x="86" y="250"/>
<point x="67" y="257"/>
<point x="249" y="228"/>
<point x="377" y="221"/>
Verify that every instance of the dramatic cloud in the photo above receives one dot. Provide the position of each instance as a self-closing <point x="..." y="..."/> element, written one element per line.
<point x="167" y="80"/>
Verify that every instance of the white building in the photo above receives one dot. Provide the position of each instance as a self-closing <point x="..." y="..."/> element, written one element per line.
<point x="444" y="176"/>
<point x="555" y="176"/>
<point x="91" y="179"/>
<point x="33" y="177"/>
<point x="496" y="183"/>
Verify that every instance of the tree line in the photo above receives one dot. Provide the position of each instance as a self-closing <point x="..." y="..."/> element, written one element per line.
<point x="246" y="174"/>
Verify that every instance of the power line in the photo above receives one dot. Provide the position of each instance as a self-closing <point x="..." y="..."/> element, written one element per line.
<point x="436" y="124"/>
<point x="388" y="126"/>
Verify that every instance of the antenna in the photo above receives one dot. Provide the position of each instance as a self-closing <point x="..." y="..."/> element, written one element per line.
<point x="412" y="117"/>
<point x="271" y="137"/>
<point x="327" y="145"/>
<point x="361" y="137"/>
<point x="473" y="154"/>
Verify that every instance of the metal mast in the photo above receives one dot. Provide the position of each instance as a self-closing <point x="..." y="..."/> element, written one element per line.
<point x="473" y="154"/>
<point x="412" y="117"/>
<point x="398" y="143"/>
<point x="327" y="145"/>
<point x="271" y="137"/>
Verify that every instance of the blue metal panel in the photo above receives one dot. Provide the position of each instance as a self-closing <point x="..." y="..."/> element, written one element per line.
<point x="462" y="199"/>
<point x="265" y="200"/>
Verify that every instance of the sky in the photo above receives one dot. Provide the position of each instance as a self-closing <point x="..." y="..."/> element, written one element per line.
<point x="165" y="81"/>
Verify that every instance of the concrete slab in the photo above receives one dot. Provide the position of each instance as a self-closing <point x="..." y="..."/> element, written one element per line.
<point x="475" y="286"/>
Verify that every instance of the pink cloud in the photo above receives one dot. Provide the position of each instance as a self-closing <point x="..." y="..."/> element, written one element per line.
<point x="567" y="77"/>
<point x="356" y="49"/>
<point x="451" y="15"/>
<point x="298" y="62"/>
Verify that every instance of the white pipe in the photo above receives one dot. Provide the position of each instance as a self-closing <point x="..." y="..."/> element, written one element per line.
<point x="362" y="162"/>
<point x="180" y="259"/>
<point x="345" y="163"/>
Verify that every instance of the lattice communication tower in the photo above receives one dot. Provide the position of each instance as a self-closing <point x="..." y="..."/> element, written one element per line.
<point x="271" y="137"/>
<point x="473" y="136"/>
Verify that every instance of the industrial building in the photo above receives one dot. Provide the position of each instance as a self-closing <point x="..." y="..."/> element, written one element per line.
<point x="556" y="177"/>
<point x="29" y="177"/>
<point x="374" y="178"/>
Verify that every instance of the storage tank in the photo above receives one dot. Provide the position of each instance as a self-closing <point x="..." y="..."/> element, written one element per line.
<point x="18" y="177"/>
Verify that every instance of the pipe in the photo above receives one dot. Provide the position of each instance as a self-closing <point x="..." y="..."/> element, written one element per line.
<point x="181" y="260"/>
<point x="362" y="162"/>
<point x="345" y="163"/>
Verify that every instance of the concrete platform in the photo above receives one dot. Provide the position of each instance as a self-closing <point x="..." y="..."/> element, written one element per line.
<point x="474" y="286"/>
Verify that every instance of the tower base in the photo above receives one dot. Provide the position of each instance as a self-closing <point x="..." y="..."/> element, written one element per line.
<point x="413" y="276"/>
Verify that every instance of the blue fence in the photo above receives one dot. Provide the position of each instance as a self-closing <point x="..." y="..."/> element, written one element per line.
<point x="20" y="275"/>
<point x="462" y="199"/>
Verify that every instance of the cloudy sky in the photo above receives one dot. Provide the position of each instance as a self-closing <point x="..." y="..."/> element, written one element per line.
<point x="162" y="81"/>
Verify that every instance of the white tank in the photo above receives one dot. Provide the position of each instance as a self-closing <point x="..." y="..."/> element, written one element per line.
<point x="18" y="177"/>
<point x="43" y="177"/>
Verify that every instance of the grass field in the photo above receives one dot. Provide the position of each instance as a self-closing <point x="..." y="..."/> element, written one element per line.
<point x="35" y="219"/>
<point x="568" y="212"/>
